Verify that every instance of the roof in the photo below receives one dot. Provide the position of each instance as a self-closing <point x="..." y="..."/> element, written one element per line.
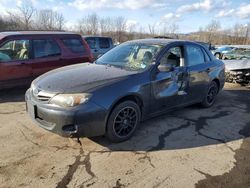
<point x="14" y="33"/>
<point x="94" y="36"/>
<point x="157" y="41"/>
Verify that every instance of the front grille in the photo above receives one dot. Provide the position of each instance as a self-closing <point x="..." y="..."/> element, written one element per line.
<point x="42" y="95"/>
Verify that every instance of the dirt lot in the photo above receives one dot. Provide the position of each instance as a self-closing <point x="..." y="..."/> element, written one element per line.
<point x="191" y="147"/>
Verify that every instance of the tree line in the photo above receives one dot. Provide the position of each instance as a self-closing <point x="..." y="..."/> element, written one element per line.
<point x="119" y="28"/>
<point x="26" y="17"/>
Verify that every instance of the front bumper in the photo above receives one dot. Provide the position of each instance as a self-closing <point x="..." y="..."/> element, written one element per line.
<point x="87" y="119"/>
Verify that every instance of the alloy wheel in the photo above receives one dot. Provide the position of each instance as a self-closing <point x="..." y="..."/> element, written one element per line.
<point x="125" y="122"/>
<point x="212" y="94"/>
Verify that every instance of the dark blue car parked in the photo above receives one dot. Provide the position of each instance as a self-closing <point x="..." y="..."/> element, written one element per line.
<point x="132" y="82"/>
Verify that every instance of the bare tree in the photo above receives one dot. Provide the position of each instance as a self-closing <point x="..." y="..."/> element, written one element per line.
<point x="48" y="19"/>
<point x="105" y="25"/>
<point x="89" y="25"/>
<point x="170" y="29"/>
<point x="151" y="28"/>
<point x="120" y="27"/>
<point x="212" y="29"/>
<point x="247" y="33"/>
<point x="24" y="16"/>
<point x="93" y="23"/>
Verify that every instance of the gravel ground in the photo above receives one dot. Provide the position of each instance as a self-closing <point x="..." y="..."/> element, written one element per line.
<point x="191" y="147"/>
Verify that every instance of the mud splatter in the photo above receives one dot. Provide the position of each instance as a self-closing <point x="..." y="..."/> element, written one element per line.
<point x="161" y="143"/>
<point x="119" y="184"/>
<point x="73" y="168"/>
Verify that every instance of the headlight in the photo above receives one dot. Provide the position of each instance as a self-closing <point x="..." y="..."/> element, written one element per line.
<point x="70" y="100"/>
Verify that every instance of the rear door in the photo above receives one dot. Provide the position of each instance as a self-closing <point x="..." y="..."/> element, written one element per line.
<point x="15" y="63"/>
<point x="198" y="68"/>
<point x="46" y="54"/>
<point x="169" y="88"/>
<point x="75" y="50"/>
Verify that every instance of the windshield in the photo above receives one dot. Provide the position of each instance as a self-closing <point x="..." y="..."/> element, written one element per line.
<point x="130" y="56"/>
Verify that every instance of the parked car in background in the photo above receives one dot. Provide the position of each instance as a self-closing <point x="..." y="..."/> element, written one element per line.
<point x="237" y="54"/>
<point x="238" y="71"/>
<point x="218" y="53"/>
<point x="237" y="64"/>
<point x="132" y="82"/>
<point x="28" y="54"/>
<point x="99" y="45"/>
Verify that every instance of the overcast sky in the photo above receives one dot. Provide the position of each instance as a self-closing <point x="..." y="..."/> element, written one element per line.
<point x="188" y="14"/>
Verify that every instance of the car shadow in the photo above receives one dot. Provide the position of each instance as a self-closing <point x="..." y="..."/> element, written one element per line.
<point x="13" y="95"/>
<point x="192" y="127"/>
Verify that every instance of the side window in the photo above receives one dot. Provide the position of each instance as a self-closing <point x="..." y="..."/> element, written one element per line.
<point x="14" y="50"/>
<point x="172" y="57"/>
<point x="45" y="48"/>
<point x="194" y="55"/>
<point x="104" y="43"/>
<point x="75" y="45"/>
<point x="91" y="42"/>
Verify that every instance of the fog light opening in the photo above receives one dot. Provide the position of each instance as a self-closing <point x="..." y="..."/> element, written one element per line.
<point x="70" y="129"/>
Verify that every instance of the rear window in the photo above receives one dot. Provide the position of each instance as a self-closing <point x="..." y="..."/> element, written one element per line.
<point x="91" y="42"/>
<point x="46" y="48"/>
<point x="104" y="43"/>
<point x="75" y="45"/>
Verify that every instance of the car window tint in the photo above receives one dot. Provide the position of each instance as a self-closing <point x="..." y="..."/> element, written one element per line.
<point x="75" y="45"/>
<point x="14" y="50"/>
<point x="104" y="43"/>
<point x="172" y="57"/>
<point x="194" y="55"/>
<point x="91" y="42"/>
<point x="45" y="48"/>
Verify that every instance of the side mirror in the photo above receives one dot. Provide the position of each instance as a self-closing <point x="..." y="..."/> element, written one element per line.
<point x="165" y="67"/>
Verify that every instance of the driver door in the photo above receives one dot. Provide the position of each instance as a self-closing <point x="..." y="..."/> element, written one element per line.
<point x="168" y="86"/>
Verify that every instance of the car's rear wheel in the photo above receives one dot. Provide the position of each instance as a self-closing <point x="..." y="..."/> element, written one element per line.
<point x="217" y="55"/>
<point x="212" y="92"/>
<point x="123" y="121"/>
<point x="224" y="58"/>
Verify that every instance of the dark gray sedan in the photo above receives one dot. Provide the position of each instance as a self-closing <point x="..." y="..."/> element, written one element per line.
<point x="130" y="83"/>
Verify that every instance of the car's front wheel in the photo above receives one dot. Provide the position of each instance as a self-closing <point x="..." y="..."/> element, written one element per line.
<point x="212" y="92"/>
<point x="123" y="121"/>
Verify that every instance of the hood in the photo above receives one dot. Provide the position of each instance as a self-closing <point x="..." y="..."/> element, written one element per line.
<point x="237" y="64"/>
<point x="79" y="78"/>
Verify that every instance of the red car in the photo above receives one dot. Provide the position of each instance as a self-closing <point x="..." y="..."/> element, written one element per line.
<point x="26" y="55"/>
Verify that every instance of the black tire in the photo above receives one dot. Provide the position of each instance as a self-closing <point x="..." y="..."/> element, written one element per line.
<point x="212" y="92"/>
<point x="217" y="55"/>
<point x="224" y="58"/>
<point x="123" y="121"/>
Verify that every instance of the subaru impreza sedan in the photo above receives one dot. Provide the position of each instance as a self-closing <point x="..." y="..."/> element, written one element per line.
<point x="132" y="82"/>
